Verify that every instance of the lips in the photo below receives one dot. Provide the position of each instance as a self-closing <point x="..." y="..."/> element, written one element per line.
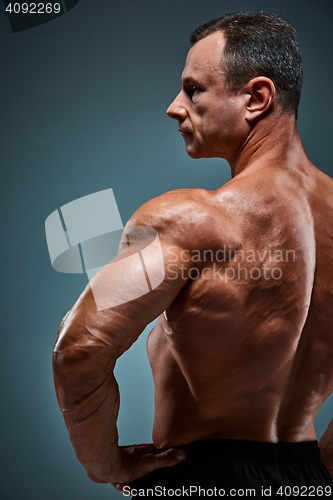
<point x="182" y="131"/>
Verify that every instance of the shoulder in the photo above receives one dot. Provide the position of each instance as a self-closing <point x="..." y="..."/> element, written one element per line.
<point x="178" y="215"/>
<point x="180" y="202"/>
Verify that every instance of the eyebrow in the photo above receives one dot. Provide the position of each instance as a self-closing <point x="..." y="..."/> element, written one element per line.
<point x="190" y="79"/>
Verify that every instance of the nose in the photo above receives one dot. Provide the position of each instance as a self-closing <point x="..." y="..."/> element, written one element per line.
<point x="176" y="109"/>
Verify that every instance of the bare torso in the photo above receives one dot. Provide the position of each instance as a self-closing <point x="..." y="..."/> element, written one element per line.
<point x="248" y="356"/>
<point x="243" y="344"/>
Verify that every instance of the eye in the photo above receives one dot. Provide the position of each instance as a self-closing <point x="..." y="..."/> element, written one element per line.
<point x="192" y="90"/>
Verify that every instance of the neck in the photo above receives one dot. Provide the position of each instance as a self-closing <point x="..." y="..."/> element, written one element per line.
<point x="272" y="140"/>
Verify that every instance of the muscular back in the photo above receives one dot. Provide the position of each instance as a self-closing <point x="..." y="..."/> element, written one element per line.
<point x="245" y="349"/>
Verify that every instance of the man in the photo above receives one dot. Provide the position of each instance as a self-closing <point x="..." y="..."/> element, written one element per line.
<point x="241" y="352"/>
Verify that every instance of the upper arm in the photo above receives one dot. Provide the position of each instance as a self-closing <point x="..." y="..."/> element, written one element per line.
<point x="135" y="287"/>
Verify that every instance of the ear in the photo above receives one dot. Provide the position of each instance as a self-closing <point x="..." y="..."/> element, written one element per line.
<point x="261" y="92"/>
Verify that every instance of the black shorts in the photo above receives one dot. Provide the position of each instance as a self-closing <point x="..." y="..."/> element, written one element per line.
<point x="221" y="468"/>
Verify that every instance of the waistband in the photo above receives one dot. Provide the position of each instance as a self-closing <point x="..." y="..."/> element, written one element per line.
<point x="228" y="450"/>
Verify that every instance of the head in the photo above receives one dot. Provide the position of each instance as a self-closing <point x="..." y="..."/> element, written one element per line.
<point x="250" y="65"/>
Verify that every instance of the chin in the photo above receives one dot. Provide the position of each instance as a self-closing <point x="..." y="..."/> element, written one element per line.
<point x="194" y="153"/>
<point x="195" y="156"/>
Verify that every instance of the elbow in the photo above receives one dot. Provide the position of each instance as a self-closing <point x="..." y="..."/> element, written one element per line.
<point x="64" y="354"/>
<point x="65" y="341"/>
<point x="78" y="348"/>
<point x="64" y="349"/>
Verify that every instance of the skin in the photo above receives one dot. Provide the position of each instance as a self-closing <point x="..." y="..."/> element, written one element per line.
<point x="243" y="358"/>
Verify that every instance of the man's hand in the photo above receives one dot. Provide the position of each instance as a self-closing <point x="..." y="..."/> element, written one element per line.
<point x="136" y="461"/>
<point x="328" y="464"/>
<point x="325" y="446"/>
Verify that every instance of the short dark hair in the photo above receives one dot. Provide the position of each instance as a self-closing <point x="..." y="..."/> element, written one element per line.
<point x="259" y="44"/>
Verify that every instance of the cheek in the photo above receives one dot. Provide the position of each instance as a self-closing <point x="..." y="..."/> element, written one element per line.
<point x="219" y="123"/>
<point x="229" y="111"/>
<point x="219" y="117"/>
<point x="230" y="118"/>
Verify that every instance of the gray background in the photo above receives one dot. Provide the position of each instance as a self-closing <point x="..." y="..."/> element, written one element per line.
<point x="83" y="102"/>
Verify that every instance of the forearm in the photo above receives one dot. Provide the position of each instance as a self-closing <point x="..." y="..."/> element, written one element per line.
<point x="88" y="397"/>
